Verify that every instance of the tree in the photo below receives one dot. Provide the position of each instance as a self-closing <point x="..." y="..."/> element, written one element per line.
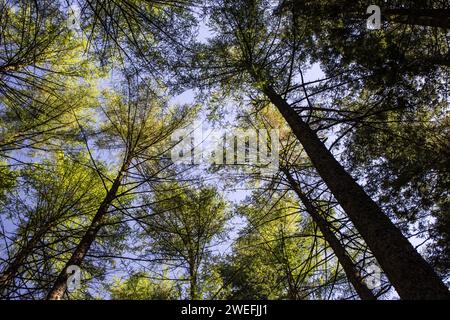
<point x="87" y="124"/>
<point x="295" y="170"/>
<point x="280" y="254"/>
<point x="60" y="194"/>
<point x="388" y="79"/>
<point x="45" y="78"/>
<point x="247" y="42"/>
<point x="418" y="13"/>
<point x="141" y="287"/>
<point x="411" y="176"/>
<point x="182" y="228"/>
<point x="7" y="181"/>
<point x="138" y="123"/>
<point x="140" y="34"/>
<point x="349" y="267"/>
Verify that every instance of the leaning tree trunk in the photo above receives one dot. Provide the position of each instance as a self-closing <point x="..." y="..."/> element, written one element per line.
<point x="409" y="273"/>
<point x="60" y="285"/>
<point x="347" y="264"/>
<point x="8" y="275"/>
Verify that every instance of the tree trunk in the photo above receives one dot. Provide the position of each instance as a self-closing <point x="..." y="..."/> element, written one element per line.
<point x="443" y="61"/>
<point x="14" y="67"/>
<point x="344" y="260"/>
<point x="193" y="289"/>
<point x="60" y="285"/>
<point x="11" y="271"/>
<point x="409" y="273"/>
<point x="438" y="18"/>
<point x="13" y="268"/>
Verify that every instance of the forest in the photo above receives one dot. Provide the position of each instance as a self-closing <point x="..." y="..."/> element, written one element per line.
<point x="224" y="150"/>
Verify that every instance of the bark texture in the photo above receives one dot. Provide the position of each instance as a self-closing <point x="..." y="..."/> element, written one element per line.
<point x="60" y="285"/>
<point x="409" y="273"/>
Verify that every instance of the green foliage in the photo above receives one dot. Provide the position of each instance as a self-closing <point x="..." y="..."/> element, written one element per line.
<point x="7" y="181"/>
<point x="183" y="226"/>
<point x="272" y="258"/>
<point x="404" y="155"/>
<point x="140" y="286"/>
<point x="81" y="112"/>
<point x="52" y="201"/>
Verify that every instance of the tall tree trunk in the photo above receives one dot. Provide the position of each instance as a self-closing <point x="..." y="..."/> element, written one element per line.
<point x="438" y="18"/>
<point x="193" y="285"/>
<point x="347" y="264"/>
<point x="409" y="273"/>
<point x="443" y="61"/>
<point x="60" y="285"/>
<point x="13" y="268"/>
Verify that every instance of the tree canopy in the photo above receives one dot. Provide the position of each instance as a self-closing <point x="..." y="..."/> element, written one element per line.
<point x="314" y="150"/>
